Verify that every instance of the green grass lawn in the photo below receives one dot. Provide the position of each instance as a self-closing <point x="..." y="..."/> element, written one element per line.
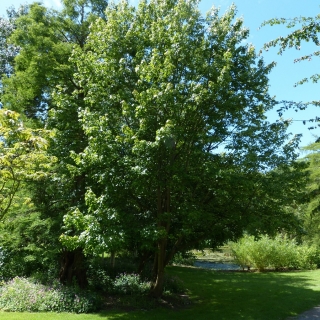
<point x="222" y="295"/>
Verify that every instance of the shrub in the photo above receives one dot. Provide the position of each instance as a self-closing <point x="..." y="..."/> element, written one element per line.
<point x="262" y="252"/>
<point x="242" y="251"/>
<point x="173" y="284"/>
<point x="130" y="284"/>
<point x="186" y="259"/>
<point x="277" y="253"/>
<point x="284" y="253"/>
<point x="308" y="257"/>
<point x="21" y="294"/>
<point x="99" y="280"/>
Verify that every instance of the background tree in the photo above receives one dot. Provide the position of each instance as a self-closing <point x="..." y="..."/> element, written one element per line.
<point x="23" y="161"/>
<point x="305" y="29"/>
<point x="309" y="212"/>
<point x="179" y="151"/>
<point x="22" y="157"/>
<point x="45" y="39"/>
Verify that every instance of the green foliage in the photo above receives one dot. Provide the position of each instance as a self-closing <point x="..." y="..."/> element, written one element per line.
<point x="121" y="279"/>
<point x="308" y="257"/>
<point x="214" y="295"/>
<point x="24" y="235"/>
<point x="22" y="157"/>
<point x="45" y="39"/>
<point x="309" y="213"/>
<point x="28" y="242"/>
<point x="241" y="251"/>
<point x="306" y="29"/>
<point x="173" y="284"/>
<point x="99" y="279"/>
<point x="141" y="104"/>
<point x="278" y="253"/>
<point x="22" y="294"/>
<point x="184" y="258"/>
<point x="163" y="89"/>
<point x="7" y="51"/>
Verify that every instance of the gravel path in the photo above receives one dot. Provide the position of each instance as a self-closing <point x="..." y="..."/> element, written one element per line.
<point x="313" y="313"/>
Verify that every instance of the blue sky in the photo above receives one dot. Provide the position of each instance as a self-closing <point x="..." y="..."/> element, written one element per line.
<point x="286" y="73"/>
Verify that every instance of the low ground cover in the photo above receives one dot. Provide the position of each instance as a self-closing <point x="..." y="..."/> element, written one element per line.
<point x="220" y="295"/>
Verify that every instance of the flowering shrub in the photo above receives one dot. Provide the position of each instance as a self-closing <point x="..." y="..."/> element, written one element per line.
<point x="21" y="294"/>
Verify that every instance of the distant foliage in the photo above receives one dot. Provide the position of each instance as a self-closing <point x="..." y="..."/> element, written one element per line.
<point x="277" y="253"/>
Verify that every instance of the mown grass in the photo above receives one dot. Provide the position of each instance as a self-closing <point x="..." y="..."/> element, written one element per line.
<point x="221" y="295"/>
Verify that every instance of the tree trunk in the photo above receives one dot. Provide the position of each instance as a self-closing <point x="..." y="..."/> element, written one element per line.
<point x="73" y="268"/>
<point x="163" y="217"/>
<point x="157" y="289"/>
<point x="155" y="267"/>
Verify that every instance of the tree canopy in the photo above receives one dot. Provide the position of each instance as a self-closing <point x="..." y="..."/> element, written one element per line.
<point x="179" y="151"/>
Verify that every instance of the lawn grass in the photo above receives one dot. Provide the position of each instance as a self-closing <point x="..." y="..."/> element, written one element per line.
<point x="221" y="295"/>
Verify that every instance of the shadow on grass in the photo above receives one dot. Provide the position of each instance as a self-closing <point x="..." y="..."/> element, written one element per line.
<point x="238" y="295"/>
